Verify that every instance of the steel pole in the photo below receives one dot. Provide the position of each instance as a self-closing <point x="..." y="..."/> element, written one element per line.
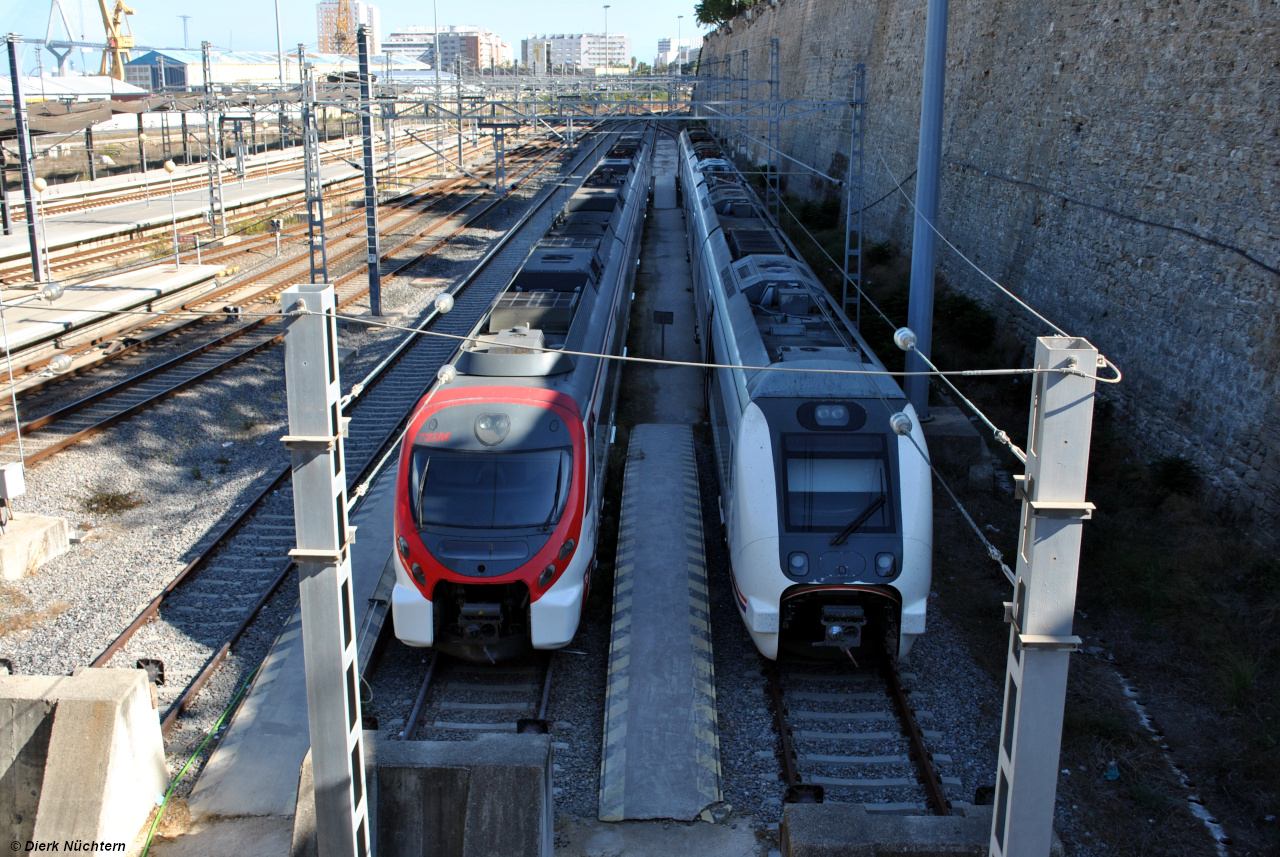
<point x="24" y="153"/>
<point x="173" y="213"/>
<point x="928" y="167"/>
<point x="370" y="182"/>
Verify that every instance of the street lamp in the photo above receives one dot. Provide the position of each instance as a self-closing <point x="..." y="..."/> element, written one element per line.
<point x="142" y="148"/>
<point x="173" y="211"/>
<point x="606" y="38"/>
<point x="42" y="259"/>
<point x="679" y="21"/>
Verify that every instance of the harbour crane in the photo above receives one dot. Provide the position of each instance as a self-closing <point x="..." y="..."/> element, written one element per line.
<point x="119" y="38"/>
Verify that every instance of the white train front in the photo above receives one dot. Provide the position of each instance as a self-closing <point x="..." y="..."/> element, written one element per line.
<point x="826" y="499"/>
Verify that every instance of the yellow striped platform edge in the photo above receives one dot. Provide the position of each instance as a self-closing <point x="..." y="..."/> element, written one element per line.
<point x="613" y="757"/>
<point x="704" y="679"/>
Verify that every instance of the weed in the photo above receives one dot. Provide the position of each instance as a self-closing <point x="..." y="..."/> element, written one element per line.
<point x="1176" y="474"/>
<point x="1148" y="798"/>
<point x="1239" y="676"/>
<point x="877" y="253"/>
<point x="109" y="502"/>
<point x="1091" y="723"/>
<point x="222" y="459"/>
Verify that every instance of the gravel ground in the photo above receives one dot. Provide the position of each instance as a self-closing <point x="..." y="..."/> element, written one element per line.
<point x="178" y="473"/>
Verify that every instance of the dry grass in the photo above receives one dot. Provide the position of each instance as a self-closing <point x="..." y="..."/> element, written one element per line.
<point x="15" y="602"/>
<point x="106" y="501"/>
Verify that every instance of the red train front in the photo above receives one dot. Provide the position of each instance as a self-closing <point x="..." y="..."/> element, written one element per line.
<point x="489" y="522"/>
<point x="501" y="469"/>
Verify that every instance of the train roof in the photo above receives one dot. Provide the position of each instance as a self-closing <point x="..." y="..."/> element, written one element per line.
<point x="779" y="311"/>
<point x="560" y="298"/>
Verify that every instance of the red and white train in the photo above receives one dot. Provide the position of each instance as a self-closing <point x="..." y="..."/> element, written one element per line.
<point x="501" y="470"/>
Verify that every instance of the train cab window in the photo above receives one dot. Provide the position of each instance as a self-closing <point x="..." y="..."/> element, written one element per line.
<point x="830" y="480"/>
<point x="489" y="490"/>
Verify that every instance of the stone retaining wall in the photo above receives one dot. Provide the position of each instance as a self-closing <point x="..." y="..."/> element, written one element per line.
<point x="1115" y="165"/>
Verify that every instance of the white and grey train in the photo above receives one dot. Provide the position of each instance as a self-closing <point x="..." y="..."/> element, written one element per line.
<point x="827" y="505"/>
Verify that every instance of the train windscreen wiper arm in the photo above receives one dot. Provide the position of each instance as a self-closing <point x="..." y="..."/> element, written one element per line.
<point x="872" y="508"/>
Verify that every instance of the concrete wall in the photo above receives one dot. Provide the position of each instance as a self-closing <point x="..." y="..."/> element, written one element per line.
<point x="1117" y="165"/>
<point x="81" y="757"/>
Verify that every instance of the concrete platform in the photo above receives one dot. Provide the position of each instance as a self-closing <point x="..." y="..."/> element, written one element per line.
<point x="29" y="541"/>
<point x="82" y="228"/>
<point x="661" y="753"/>
<point x="254" y="770"/>
<point x="848" y="830"/>
<point x="93" y="301"/>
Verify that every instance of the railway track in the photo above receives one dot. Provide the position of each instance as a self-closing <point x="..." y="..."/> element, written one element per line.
<point x="849" y="734"/>
<point x="198" y="181"/>
<point x="457" y="698"/>
<point x="70" y="423"/>
<point x="77" y="262"/>
<point x="211" y="603"/>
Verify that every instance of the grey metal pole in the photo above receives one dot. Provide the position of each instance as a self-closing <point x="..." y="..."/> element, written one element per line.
<point x="928" y="167"/>
<point x="323" y="556"/>
<point x="279" y="46"/>
<point x="24" y="153"/>
<point x="435" y="25"/>
<point x="6" y="216"/>
<point x="1044" y="596"/>
<point x="370" y="181"/>
<point x="458" y="75"/>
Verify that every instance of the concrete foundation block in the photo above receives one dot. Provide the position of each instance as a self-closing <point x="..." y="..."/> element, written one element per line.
<point x="491" y="796"/>
<point x="848" y="830"/>
<point x="957" y="448"/>
<point x="29" y="541"/>
<point x="82" y="756"/>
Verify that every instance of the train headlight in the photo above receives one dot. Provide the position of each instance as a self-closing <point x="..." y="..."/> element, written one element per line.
<point x="567" y="548"/>
<point x="415" y="571"/>
<point x="403" y="546"/>
<point x="831" y="415"/>
<point x="491" y="429"/>
<point x="798" y="563"/>
<point x="885" y="564"/>
<point x="545" y="578"/>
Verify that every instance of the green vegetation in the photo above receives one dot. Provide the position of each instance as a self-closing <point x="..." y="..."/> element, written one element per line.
<point x="716" y="12"/>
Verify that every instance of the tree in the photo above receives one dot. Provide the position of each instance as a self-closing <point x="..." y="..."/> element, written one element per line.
<point x="716" y="12"/>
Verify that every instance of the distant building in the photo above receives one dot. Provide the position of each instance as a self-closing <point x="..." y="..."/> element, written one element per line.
<point x="577" y="50"/>
<point x="475" y="46"/>
<point x="669" y="50"/>
<point x="183" y="70"/>
<point x="361" y="13"/>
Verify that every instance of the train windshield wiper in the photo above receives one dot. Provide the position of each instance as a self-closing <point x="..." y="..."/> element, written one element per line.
<point x="872" y="508"/>
<point x="422" y="493"/>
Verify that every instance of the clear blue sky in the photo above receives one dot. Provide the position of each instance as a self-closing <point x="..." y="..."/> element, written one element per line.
<point x="250" y="24"/>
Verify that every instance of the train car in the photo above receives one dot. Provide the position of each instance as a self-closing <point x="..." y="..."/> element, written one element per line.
<point x="501" y="468"/>
<point x="827" y="503"/>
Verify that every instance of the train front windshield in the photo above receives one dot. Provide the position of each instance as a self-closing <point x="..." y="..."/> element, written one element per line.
<point x="831" y="480"/>
<point x="489" y="490"/>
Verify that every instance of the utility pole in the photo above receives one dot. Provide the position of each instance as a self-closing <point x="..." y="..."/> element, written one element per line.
<point x="186" y="42"/>
<point x="370" y="182"/>
<point x="214" y="157"/>
<point x="24" y="153"/>
<point x="323" y="556"/>
<point x="1040" y="639"/>
<point x="318" y="252"/>
<point x="928" y="167"/>
<point x="280" y="64"/>
<point x="458" y="75"/>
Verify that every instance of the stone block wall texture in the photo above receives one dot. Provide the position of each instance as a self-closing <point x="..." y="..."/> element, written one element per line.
<point x="1116" y="165"/>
